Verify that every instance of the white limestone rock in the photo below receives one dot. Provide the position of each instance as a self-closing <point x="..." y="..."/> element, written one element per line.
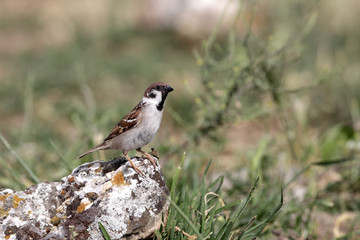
<point x="129" y="205"/>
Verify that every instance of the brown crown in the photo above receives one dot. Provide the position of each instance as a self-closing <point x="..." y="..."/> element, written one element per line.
<point x="153" y="85"/>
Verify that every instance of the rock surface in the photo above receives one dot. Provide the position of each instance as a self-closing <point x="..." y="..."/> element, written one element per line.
<point x="129" y="206"/>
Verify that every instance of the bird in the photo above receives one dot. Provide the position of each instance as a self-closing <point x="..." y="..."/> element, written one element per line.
<point x="139" y="126"/>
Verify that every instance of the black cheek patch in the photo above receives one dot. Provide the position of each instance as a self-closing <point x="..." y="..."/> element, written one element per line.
<point x="160" y="106"/>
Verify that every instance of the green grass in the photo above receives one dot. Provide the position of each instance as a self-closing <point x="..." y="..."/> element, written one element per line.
<point x="273" y="102"/>
<point x="202" y="212"/>
<point x="104" y="232"/>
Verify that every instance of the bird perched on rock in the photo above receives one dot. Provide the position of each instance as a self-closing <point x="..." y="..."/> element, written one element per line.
<point x="139" y="126"/>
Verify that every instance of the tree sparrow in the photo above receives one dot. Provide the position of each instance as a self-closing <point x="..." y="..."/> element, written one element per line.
<point x="139" y="126"/>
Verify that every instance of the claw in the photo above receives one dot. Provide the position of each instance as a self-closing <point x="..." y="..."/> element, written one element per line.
<point x="148" y="156"/>
<point x="133" y="165"/>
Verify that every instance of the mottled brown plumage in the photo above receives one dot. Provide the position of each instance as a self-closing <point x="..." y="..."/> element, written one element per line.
<point x="130" y="121"/>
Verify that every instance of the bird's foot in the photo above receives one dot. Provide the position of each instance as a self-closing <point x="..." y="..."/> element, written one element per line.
<point x="133" y="165"/>
<point x="151" y="159"/>
<point x="148" y="156"/>
<point x="137" y="170"/>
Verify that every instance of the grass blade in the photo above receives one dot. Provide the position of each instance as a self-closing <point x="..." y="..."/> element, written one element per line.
<point x="269" y="219"/>
<point x="202" y="204"/>
<point x="222" y="230"/>
<point x="104" y="232"/>
<point x="13" y="173"/>
<point x="176" y="177"/>
<point x="62" y="158"/>
<point x="228" y="206"/>
<point x="187" y="220"/>
<point x="157" y="235"/>
<point x="207" y="167"/>
<point x="320" y="163"/>
<point x="237" y="214"/>
<point x="255" y="163"/>
<point x="334" y="161"/>
<point x="227" y="231"/>
<point x="220" y="180"/>
<point x="246" y="228"/>
<point x="20" y="160"/>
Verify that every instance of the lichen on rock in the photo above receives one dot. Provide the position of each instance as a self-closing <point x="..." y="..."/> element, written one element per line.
<point x="129" y="205"/>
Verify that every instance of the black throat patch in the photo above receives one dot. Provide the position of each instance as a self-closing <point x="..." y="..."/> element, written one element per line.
<point x="160" y="106"/>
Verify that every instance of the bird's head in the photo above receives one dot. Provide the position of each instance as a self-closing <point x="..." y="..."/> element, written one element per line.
<point x="157" y="93"/>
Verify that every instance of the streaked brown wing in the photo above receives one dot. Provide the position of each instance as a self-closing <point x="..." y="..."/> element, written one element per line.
<point x="128" y="122"/>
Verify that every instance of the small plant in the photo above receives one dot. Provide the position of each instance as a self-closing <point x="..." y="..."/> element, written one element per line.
<point x="73" y="232"/>
<point x="202" y="212"/>
<point x="243" y="75"/>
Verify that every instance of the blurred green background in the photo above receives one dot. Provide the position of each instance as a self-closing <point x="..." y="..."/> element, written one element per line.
<point x="268" y="91"/>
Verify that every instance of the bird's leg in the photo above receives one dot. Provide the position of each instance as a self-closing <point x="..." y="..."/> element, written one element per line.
<point x="132" y="164"/>
<point x="148" y="156"/>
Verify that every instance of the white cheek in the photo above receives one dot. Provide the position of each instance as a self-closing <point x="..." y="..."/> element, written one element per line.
<point x="158" y="97"/>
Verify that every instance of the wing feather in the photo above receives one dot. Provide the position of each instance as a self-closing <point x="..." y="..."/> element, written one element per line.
<point x="130" y="121"/>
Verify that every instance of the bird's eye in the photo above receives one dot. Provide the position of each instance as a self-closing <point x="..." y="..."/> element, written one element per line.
<point x="157" y="87"/>
<point x="152" y="95"/>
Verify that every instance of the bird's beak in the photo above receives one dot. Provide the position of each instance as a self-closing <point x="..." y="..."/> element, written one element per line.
<point x="168" y="89"/>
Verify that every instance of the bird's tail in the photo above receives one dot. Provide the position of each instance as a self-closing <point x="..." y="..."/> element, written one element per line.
<point x="101" y="146"/>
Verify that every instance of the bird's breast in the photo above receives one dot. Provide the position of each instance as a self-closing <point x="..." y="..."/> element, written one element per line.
<point x="151" y="120"/>
<point x="142" y="134"/>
